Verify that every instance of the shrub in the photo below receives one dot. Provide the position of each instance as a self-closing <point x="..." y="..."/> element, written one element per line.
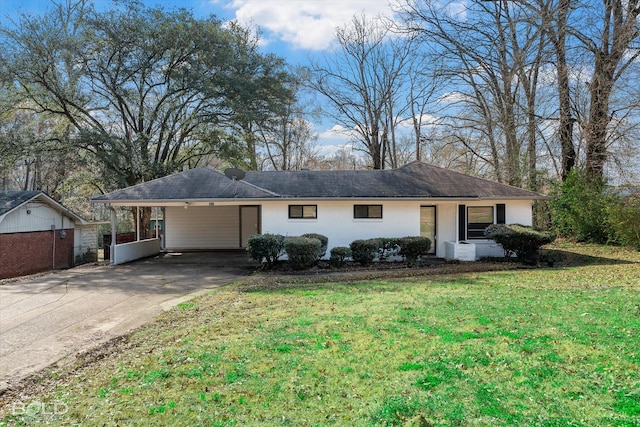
<point x="302" y="251"/>
<point x="579" y="209"/>
<point x="518" y="239"/>
<point x="624" y="219"/>
<point x="268" y="247"/>
<point x="365" y="251"/>
<point x="324" y="243"/>
<point x="413" y="247"/>
<point x="339" y="255"/>
<point x="388" y="247"/>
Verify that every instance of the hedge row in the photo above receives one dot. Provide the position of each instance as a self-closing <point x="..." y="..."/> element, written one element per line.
<point x="304" y="251"/>
<point x="410" y="248"/>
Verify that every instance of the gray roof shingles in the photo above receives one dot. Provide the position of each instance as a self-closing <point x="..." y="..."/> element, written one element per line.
<point x="414" y="180"/>
<point x="10" y="200"/>
<point x="194" y="184"/>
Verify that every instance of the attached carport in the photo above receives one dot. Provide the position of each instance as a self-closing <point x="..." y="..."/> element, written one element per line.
<point x="202" y="209"/>
<point x="210" y="227"/>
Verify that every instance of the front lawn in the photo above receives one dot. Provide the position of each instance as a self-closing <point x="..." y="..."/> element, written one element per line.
<point x="531" y="347"/>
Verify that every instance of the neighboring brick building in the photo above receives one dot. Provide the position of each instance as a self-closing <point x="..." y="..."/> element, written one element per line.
<point x="39" y="234"/>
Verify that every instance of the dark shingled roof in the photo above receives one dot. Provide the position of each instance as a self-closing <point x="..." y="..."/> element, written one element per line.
<point x="194" y="184"/>
<point x="10" y="200"/>
<point x="414" y="180"/>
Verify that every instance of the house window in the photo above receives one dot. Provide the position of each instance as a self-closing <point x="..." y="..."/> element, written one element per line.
<point x="303" y="211"/>
<point x="478" y="219"/>
<point x="367" y="211"/>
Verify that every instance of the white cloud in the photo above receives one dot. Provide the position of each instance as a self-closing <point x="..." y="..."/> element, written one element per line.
<point x="453" y="98"/>
<point x="336" y="136"/>
<point x="305" y="24"/>
<point x="457" y="10"/>
<point x="333" y="149"/>
<point x="424" y="119"/>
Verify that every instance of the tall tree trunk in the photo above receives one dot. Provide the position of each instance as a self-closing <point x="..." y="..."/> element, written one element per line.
<point x="612" y="56"/>
<point x="599" y="118"/>
<point x="568" y="152"/>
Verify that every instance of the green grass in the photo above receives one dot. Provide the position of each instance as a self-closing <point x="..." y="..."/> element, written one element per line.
<point x="531" y="347"/>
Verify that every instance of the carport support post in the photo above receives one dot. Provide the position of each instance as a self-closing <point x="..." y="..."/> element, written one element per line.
<point x="137" y="223"/>
<point x="114" y="231"/>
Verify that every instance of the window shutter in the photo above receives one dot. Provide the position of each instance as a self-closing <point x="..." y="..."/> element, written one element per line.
<point x="462" y="222"/>
<point x="501" y="215"/>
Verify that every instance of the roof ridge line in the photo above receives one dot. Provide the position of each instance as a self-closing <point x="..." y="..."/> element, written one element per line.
<point x="467" y="175"/>
<point x="258" y="187"/>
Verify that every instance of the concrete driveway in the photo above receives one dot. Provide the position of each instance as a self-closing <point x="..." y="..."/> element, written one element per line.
<point x="46" y="318"/>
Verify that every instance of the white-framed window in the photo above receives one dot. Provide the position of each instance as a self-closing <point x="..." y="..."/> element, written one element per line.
<point x="303" y="211"/>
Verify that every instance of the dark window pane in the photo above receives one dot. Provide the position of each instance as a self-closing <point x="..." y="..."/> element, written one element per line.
<point x="295" y="211"/>
<point x="310" y="211"/>
<point x="367" y="211"/>
<point x="303" y="211"/>
<point x="360" y="211"/>
<point x="375" y="211"/>
<point x="482" y="214"/>
<point x="478" y="219"/>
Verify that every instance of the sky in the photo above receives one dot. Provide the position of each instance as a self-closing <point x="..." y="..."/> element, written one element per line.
<point x="293" y="29"/>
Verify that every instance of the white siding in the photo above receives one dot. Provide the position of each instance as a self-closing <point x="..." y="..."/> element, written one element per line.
<point x="516" y="212"/>
<point x="446" y="223"/>
<point x="218" y="227"/>
<point x="399" y="218"/>
<point x="41" y="218"/>
<point x="519" y="212"/>
<point x="202" y="227"/>
<point x="335" y="220"/>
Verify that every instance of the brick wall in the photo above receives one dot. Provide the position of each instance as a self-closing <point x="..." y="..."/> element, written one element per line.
<point x="28" y="253"/>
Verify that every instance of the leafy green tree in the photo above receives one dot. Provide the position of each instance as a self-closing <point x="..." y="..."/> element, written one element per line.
<point x="624" y="218"/>
<point x="32" y="153"/>
<point x="579" y="209"/>
<point x="145" y="90"/>
<point x="258" y="93"/>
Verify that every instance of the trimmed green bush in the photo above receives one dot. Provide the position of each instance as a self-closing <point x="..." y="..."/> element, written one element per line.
<point x="267" y="247"/>
<point x="364" y="251"/>
<point x="339" y="256"/>
<point x="388" y="247"/>
<point x="324" y="243"/>
<point x="413" y="247"/>
<point x="624" y="220"/>
<point x="302" y="251"/>
<point x="520" y="240"/>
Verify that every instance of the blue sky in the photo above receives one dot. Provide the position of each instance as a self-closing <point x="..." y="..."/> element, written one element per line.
<point x="294" y="29"/>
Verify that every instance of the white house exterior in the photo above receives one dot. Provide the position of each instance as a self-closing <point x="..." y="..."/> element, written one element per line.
<point x="205" y="210"/>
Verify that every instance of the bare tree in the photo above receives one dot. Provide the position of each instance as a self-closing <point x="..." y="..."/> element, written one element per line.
<point x="361" y="78"/>
<point x="288" y="138"/>
<point x="289" y="144"/>
<point x="492" y="55"/>
<point x="554" y="15"/>
<point x="613" y="50"/>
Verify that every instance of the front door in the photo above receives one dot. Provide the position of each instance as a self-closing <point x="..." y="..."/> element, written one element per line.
<point x="249" y="223"/>
<point x="428" y="225"/>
